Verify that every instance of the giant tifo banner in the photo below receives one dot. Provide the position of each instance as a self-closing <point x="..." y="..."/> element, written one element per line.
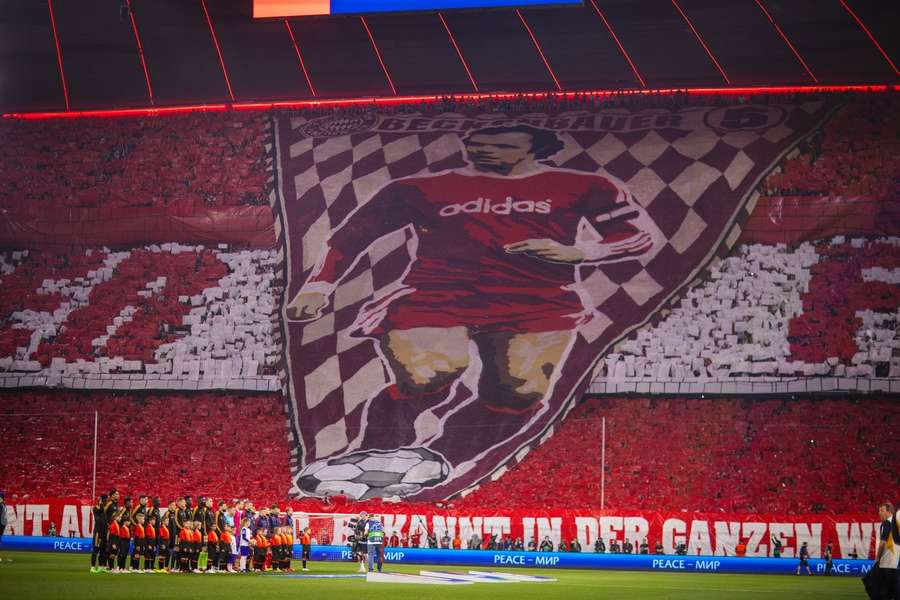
<point x="453" y="281"/>
<point x="700" y="533"/>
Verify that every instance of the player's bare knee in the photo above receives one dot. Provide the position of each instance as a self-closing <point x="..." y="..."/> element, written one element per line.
<point x="535" y="384"/>
<point x="427" y="357"/>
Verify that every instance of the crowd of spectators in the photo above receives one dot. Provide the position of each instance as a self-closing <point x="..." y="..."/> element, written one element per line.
<point x="662" y="453"/>
<point x="181" y="164"/>
<point x="174" y="310"/>
<point x="185" y="163"/>
<point x="771" y="314"/>
<point x="668" y="454"/>
<point x="710" y="455"/>
<point x="224" y="444"/>
<point x="856" y="154"/>
<point x="850" y="309"/>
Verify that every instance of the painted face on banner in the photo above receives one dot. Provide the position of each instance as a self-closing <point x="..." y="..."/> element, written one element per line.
<point x="499" y="153"/>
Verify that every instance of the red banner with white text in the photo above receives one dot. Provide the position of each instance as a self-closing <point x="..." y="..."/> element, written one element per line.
<point x="713" y="534"/>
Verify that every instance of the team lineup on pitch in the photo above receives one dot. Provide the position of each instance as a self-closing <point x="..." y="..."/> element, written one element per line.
<point x="35" y="575"/>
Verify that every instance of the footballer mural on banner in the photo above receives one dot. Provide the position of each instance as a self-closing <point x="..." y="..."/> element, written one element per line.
<point x="452" y="281"/>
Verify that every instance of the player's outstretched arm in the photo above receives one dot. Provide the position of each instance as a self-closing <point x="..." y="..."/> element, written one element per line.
<point x="547" y="249"/>
<point x="550" y="250"/>
<point x="625" y="245"/>
<point x="614" y="226"/>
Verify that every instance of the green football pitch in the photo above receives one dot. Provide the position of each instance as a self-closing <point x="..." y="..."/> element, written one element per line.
<point x="67" y="577"/>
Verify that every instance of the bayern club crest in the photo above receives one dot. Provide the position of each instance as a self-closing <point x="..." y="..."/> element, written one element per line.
<point x="326" y="127"/>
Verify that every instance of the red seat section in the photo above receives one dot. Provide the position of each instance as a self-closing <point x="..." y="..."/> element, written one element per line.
<point x="181" y="163"/>
<point x="163" y="310"/>
<point x="164" y="444"/>
<point x="857" y="153"/>
<point x="709" y="455"/>
<point x="767" y="456"/>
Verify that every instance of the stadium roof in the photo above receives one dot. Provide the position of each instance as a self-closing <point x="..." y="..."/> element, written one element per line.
<point x="76" y="55"/>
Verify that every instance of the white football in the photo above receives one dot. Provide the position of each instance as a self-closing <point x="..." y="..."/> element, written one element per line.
<point x="368" y="474"/>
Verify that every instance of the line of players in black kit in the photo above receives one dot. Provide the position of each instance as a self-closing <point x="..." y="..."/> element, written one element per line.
<point x="142" y="538"/>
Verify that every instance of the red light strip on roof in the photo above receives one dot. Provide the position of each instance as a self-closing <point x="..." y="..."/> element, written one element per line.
<point x="618" y="43"/>
<point x="378" y="54"/>
<point x="459" y="53"/>
<point x="394" y="100"/>
<point x="215" y="40"/>
<point x="539" y="49"/>
<point x="702" y="43"/>
<point x="140" y="48"/>
<point x="62" y="74"/>
<point x="871" y="37"/>
<point x="787" y="41"/>
<point x="290" y="29"/>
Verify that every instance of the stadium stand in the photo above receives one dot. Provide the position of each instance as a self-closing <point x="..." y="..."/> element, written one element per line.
<point x="667" y="454"/>
<point x="857" y="153"/>
<point x="181" y="164"/>
<point x="167" y="444"/>
<point x="773" y="313"/>
<point x="185" y="163"/>
<point x="190" y="317"/>
<point x="184" y="311"/>
<point x="715" y="455"/>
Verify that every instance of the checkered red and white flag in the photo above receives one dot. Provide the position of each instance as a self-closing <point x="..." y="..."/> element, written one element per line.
<point x="452" y="280"/>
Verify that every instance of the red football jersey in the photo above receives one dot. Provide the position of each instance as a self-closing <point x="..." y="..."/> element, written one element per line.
<point x="463" y="221"/>
<point x="462" y="273"/>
